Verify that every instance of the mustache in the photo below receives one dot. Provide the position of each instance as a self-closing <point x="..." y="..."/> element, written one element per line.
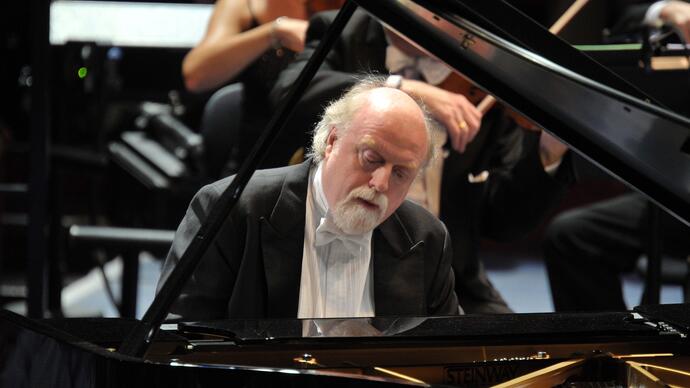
<point x="370" y="195"/>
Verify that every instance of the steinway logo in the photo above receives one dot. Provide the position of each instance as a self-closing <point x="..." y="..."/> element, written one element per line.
<point x="480" y="375"/>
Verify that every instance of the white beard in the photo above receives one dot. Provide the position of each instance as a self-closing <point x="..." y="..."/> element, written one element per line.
<point x="352" y="217"/>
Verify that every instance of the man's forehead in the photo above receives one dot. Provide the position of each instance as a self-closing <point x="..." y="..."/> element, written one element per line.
<point x="384" y="101"/>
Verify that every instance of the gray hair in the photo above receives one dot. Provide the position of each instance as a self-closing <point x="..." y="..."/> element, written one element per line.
<point x="339" y="114"/>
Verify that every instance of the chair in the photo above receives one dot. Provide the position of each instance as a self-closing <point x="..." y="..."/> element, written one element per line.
<point x="660" y="268"/>
<point x="127" y="242"/>
<point x="221" y="123"/>
<point x="225" y="117"/>
<point x="674" y="270"/>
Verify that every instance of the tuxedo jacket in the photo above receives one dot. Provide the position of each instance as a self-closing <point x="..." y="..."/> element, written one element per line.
<point x="252" y="268"/>
<point x="512" y="202"/>
<point x="627" y="15"/>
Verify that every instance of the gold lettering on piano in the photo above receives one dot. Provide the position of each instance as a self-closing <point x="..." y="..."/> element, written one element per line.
<point x="481" y="374"/>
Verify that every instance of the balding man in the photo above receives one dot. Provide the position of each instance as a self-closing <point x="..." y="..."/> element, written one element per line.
<point x="331" y="237"/>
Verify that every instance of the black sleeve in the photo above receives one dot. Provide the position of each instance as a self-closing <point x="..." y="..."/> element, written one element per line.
<point x="627" y="15"/>
<point x="351" y="55"/>
<point x="443" y="300"/>
<point x="520" y="193"/>
<point x="206" y="293"/>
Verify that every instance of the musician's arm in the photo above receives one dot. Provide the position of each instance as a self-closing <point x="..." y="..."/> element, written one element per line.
<point x="454" y="111"/>
<point x="631" y="17"/>
<point x="676" y="14"/>
<point x="228" y="47"/>
<point x="328" y="83"/>
<point x="519" y="192"/>
<point x="551" y="152"/>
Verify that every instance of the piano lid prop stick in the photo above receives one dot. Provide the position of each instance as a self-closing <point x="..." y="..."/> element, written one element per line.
<point x="555" y="29"/>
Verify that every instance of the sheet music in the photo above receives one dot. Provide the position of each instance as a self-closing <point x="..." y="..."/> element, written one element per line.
<point x="128" y="24"/>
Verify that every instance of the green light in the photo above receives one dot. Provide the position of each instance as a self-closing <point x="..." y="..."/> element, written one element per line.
<point x="609" y="47"/>
<point x="82" y="72"/>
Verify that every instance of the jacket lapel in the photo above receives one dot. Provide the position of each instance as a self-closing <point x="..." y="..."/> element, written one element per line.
<point x="282" y="240"/>
<point x="398" y="270"/>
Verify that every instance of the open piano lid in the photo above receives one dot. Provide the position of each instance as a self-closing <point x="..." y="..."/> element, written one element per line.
<point x="596" y="113"/>
<point x="578" y="110"/>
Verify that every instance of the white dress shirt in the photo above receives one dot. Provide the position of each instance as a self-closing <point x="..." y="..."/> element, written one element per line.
<point x="337" y="274"/>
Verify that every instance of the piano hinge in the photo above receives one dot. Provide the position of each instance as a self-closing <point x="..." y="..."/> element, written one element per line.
<point x="467" y="41"/>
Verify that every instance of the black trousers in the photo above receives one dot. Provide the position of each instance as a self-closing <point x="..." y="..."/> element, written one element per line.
<point x="586" y="249"/>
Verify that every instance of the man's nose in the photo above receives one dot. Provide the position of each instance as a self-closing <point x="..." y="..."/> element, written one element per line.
<point x="380" y="178"/>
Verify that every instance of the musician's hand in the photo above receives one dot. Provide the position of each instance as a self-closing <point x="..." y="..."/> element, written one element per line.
<point x="290" y="32"/>
<point x="460" y="117"/>
<point x="677" y="14"/>
<point x="551" y="151"/>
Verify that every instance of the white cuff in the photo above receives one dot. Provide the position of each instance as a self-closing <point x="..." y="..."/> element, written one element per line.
<point x="553" y="167"/>
<point x="651" y="17"/>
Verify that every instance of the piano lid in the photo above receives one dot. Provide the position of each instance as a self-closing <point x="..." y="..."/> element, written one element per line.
<point x="596" y="113"/>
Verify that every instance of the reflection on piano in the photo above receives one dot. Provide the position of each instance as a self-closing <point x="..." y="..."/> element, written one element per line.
<point x="609" y="349"/>
<point x="595" y="112"/>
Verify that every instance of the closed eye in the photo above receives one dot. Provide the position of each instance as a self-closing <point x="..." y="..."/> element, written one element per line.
<point x="400" y="173"/>
<point x="371" y="158"/>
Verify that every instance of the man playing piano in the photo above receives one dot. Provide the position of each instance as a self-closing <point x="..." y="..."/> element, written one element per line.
<point x="494" y="181"/>
<point x="333" y="236"/>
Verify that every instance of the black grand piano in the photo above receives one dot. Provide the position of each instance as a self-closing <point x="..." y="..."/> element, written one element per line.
<point x="598" y="114"/>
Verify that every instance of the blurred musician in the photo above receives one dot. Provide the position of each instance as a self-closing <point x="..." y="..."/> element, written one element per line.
<point x="588" y="248"/>
<point x="250" y="35"/>
<point x="494" y="179"/>
<point x="630" y="15"/>
<point x="248" y="41"/>
<point x="333" y="236"/>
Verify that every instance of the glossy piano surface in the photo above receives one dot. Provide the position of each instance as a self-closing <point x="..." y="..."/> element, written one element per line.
<point x="462" y="351"/>
<point x="80" y="353"/>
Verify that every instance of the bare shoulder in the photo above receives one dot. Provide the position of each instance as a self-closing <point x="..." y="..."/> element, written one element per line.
<point x="230" y="16"/>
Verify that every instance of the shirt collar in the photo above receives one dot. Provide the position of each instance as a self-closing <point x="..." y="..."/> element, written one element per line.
<point x="320" y="201"/>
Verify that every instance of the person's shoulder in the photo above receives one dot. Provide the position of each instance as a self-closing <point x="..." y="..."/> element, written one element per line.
<point x="420" y="225"/>
<point x="418" y="220"/>
<point x="264" y="185"/>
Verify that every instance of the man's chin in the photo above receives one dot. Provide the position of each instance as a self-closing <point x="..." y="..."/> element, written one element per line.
<point x="363" y="221"/>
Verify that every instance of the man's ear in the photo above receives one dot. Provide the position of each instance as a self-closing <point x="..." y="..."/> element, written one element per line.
<point x="330" y="141"/>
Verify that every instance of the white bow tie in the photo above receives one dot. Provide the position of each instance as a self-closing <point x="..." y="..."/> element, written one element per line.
<point x="327" y="232"/>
